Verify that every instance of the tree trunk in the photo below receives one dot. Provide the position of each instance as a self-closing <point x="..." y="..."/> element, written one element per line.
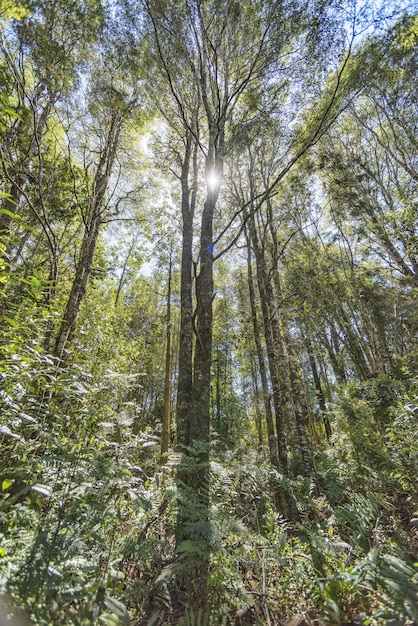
<point x="271" y="435"/>
<point x="301" y="456"/>
<point x="318" y="386"/>
<point x="104" y="169"/>
<point x="193" y="521"/>
<point x="303" y="451"/>
<point x="165" y="437"/>
<point x="66" y="331"/>
<point x="185" y="357"/>
<point x="333" y="349"/>
<point x="266" y="298"/>
<point x="257" y="411"/>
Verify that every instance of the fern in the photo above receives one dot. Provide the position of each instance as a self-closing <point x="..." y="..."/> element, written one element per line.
<point x="201" y="617"/>
<point x="395" y="579"/>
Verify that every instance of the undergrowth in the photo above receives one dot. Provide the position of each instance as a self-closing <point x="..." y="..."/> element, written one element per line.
<point x="88" y="518"/>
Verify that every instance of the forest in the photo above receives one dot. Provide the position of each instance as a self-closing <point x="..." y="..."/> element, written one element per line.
<point x="208" y="312"/>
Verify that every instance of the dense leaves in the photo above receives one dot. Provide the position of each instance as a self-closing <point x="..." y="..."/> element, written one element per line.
<point x="208" y="236"/>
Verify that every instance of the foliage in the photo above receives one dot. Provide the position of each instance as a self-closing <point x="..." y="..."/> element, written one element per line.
<point x="68" y="493"/>
<point x="319" y="358"/>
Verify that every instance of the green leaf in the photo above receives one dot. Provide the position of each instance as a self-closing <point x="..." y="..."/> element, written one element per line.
<point x="118" y="609"/>
<point x="6" y="484"/>
<point x="14" y="216"/>
<point x="398" y="564"/>
<point x="12" y="113"/>
<point x="154" y="618"/>
<point x="43" y="489"/>
<point x="12" y="10"/>
<point x="110" y="619"/>
<point x="6" y="431"/>
<point x="189" y="548"/>
<point x="11" y="321"/>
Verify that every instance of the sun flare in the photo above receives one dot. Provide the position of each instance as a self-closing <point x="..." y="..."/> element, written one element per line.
<point x="212" y="180"/>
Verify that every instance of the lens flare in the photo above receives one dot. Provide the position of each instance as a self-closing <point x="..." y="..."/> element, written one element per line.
<point x="212" y="180"/>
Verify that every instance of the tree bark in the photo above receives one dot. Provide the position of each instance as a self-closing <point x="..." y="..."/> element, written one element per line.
<point x="318" y="386"/>
<point x="257" y="411"/>
<point x="84" y="267"/>
<point x="185" y="357"/>
<point x="165" y="437"/>
<point x="266" y="298"/>
<point x="303" y="450"/>
<point x="271" y="435"/>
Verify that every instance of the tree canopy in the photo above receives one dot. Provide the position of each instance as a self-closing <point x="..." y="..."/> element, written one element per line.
<point x="208" y="303"/>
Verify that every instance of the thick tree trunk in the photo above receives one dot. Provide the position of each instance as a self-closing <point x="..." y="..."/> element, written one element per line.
<point x="199" y="426"/>
<point x="193" y="520"/>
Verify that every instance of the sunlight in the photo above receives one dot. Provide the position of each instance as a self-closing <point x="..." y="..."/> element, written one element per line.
<point x="213" y="180"/>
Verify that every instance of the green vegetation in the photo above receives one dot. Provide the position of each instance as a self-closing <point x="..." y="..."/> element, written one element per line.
<point x="208" y="242"/>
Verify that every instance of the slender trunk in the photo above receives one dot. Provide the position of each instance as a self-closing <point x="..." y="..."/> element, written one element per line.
<point x="332" y="345"/>
<point x="318" y="386"/>
<point x="91" y="234"/>
<point x="257" y="412"/>
<point x="315" y="436"/>
<point x="165" y="439"/>
<point x="50" y="297"/>
<point x="217" y="407"/>
<point x="323" y="371"/>
<point x="303" y="446"/>
<point x="266" y="298"/>
<point x="301" y="457"/>
<point x="353" y="344"/>
<point x="78" y="290"/>
<point x="396" y="256"/>
<point x="185" y="357"/>
<point x="124" y="272"/>
<point x="271" y="435"/>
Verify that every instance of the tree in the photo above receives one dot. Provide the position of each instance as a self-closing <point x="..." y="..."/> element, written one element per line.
<point x="373" y="172"/>
<point x="196" y="48"/>
<point x="294" y="333"/>
<point x="41" y="54"/>
<point x="109" y="105"/>
<point x="166" y="427"/>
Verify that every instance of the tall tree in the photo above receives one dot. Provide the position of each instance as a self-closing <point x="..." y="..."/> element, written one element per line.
<point x="199" y="41"/>
<point x="112" y="101"/>
<point x="220" y="68"/>
<point x="373" y="172"/>
<point x="41" y="54"/>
